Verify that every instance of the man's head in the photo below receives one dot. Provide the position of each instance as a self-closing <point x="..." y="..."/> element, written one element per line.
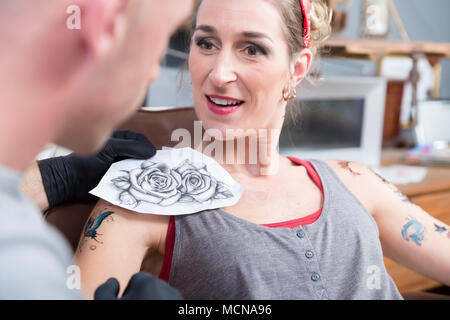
<point x="90" y="61"/>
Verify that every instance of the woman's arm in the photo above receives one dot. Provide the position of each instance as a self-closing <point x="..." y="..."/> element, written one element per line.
<point x="114" y="243"/>
<point x="408" y="234"/>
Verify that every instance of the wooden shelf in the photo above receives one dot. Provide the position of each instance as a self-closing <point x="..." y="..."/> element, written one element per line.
<point x="374" y="49"/>
<point x="377" y="50"/>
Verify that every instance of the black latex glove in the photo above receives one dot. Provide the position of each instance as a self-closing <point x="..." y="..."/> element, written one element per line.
<point x="142" y="286"/>
<point x="70" y="178"/>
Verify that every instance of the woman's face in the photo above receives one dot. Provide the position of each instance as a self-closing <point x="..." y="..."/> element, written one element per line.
<point x="239" y="65"/>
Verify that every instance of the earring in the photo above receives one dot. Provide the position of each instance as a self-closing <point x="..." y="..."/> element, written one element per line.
<point x="289" y="95"/>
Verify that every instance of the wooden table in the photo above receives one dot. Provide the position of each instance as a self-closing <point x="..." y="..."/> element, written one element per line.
<point x="433" y="195"/>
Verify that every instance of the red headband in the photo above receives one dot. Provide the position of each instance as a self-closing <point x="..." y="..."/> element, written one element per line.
<point x="306" y="11"/>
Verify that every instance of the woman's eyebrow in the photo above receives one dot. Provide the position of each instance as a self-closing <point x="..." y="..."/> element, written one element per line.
<point x="206" y="28"/>
<point x="244" y="34"/>
<point x="255" y="35"/>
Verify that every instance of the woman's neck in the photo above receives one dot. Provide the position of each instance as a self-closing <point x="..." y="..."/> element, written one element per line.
<point x="252" y="156"/>
<point x="252" y="153"/>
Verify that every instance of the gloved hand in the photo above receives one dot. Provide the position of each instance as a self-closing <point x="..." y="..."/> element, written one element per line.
<point x="70" y="178"/>
<point x="142" y="286"/>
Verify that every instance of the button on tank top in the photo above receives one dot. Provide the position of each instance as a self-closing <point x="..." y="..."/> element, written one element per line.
<point x="334" y="253"/>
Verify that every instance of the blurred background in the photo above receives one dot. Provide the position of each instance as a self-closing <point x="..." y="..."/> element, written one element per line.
<point x="400" y="44"/>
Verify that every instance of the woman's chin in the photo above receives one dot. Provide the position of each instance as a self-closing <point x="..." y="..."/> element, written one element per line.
<point x="222" y="128"/>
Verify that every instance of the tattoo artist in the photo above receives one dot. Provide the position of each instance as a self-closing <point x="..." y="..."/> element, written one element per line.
<point x="72" y="87"/>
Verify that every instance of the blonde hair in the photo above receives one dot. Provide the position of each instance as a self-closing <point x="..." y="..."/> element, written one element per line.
<point x="292" y="18"/>
<point x="291" y="13"/>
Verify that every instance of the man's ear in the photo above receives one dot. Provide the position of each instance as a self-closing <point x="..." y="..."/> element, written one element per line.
<point x="103" y="24"/>
<point x="301" y="66"/>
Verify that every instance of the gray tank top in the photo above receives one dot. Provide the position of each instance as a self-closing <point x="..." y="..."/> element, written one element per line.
<point x="217" y="255"/>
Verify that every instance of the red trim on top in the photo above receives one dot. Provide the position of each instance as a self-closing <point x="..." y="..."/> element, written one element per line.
<point x="168" y="251"/>
<point x="311" y="171"/>
<point x="310" y="218"/>
<point x="296" y="222"/>
<point x="170" y="236"/>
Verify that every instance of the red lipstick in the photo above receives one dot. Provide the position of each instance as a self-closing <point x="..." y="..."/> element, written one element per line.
<point x="222" y="110"/>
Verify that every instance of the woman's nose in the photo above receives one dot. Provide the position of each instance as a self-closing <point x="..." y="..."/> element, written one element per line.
<point x="223" y="70"/>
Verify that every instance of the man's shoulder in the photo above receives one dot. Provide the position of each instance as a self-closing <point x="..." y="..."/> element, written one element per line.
<point x="15" y="207"/>
<point x="22" y="222"/>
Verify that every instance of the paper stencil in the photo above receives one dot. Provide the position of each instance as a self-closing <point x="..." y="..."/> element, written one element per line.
<point x="173" y="182"/>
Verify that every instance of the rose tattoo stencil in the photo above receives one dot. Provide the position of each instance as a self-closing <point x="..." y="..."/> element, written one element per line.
<point x="173" y="182"/>
<point x="159" y="184"/>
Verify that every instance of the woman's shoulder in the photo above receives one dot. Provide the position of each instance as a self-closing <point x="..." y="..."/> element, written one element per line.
<point x="358" y="178"/>
<point x="150" y="228"/>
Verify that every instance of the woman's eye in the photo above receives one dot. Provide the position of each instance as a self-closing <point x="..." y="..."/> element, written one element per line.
<point x="254" y="50"/>
<point x="205" y="44"/>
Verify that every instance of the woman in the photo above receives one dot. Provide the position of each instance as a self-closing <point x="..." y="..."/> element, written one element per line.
<point x="307" y="230"/>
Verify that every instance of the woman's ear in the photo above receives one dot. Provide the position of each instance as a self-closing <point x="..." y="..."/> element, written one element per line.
<point x="103" y="24"/>
<point x="301" y="66"/>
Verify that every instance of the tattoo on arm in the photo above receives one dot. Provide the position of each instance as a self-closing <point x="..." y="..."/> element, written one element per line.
<point x="93" y="223"/>
<point x="346" y="166"/>
<point x="439" y="228"/>
<point x="442" y="230"/>
<point x="382" y="178"/>
<point x="413" y="231"/>
<point x="403" y="197"/>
